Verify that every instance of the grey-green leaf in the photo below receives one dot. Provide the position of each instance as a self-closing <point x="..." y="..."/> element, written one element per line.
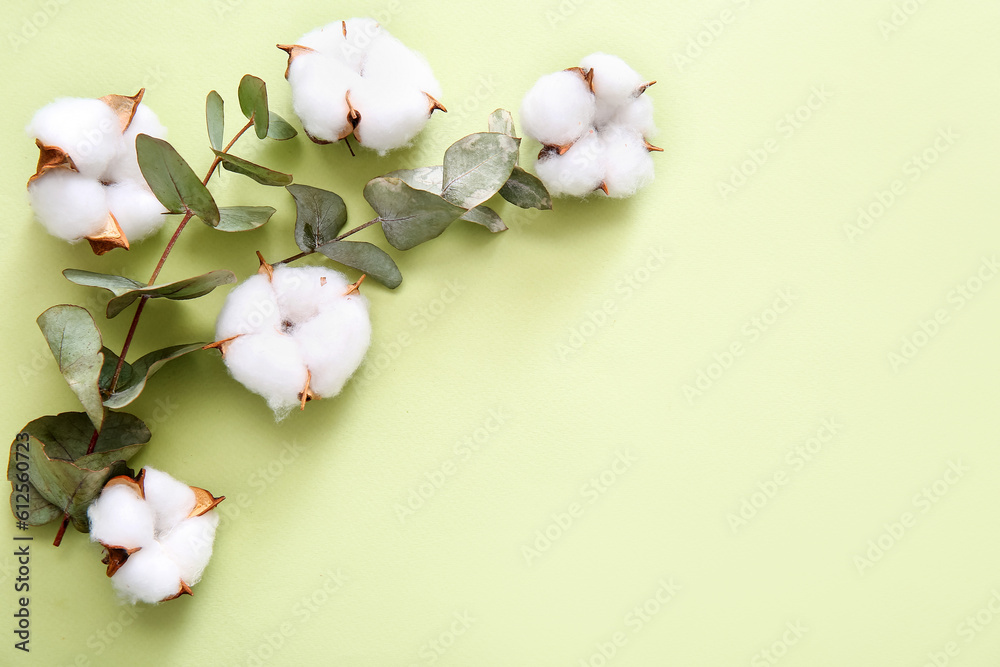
<point x="133" y="377"/>
<point x="487" y="217"/>
<point x="253" y="103"/>
<point x="215" y="119"/>
<point x="262" y="175"/>
<point x="76" y="345"/>
<point x="364" y="257"/>
<point x="525" y="190"/>
<point x="243" y="218"/>
<point x="189" y="288"/>
<point x="502" y="122"/>
<point x="422" y="178"/>
<point x="117" y="285"/>
<point x="409" y="216"/>
<point x="173" y="181"/>
<point x="319" y="215"/>
<point x="477" y="166"/>
<point x="279" y="129"/>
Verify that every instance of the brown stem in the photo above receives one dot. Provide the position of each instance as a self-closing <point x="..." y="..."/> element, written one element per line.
<point x="62" y="531"/>
<point x="163" y="258"/>
<point x="93" y="441"/>
<point x="306" y="253"/>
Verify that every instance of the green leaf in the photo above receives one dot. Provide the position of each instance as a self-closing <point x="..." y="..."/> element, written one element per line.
<point x="364" y="257"/>
<point x="215" y="119"/>
<point x="60" y="469"/>
<point x="422" y="178"/>
<point x="26" y="502"/>
<point x="409" y="216"/>
<point x="487" y="217"/>
<point x="502" y="122"/>
<point x="132" y="378"/>
<point x="477" y="166"/>
<point x="253" y="103"/>
<point x="173" y="181"/>
<point x="76" y="345"/>
<point x="279" y="129"/>
<point x="525" y="190"/>
<point x="262" y="175"/>
<point x="117" y="285"/>
<point x="319" y="216"/>
<point x="189" y="288"/>
<point x="243" y="218"/>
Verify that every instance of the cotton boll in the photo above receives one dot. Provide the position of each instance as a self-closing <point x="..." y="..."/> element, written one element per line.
<point x="69" y="205"/>
<point x="361" y="33"/>
<point x="558" y="109"/>
<point x="120" y="518"/>
<point x="392" y="64"/>
<point x="328" y="39"/>
<point x="170" y="500"/>
<point x="578" y="172"/>
<point x="269" y="364"/>
<point x="250" y="308"/>
<point x="629" y="164"/>
<point x="189" y="545"/>
<point x="334" y="344"/>
<point x="302" y="292"/>
<point x="319" y="94"/>
<point x="87" y="129"/>
<point x="138" y="212"/>
<point x="637" y="115"/>
<point x="614" y="81"/>
<point x="390" y="118"/>
<point x="148" y="575"/>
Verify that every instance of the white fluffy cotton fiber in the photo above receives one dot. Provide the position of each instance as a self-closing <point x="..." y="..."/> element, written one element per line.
<point x="301" y="331"/>
<point x="168" y="542"/>
<point x="74" y="201"/>
<point x="594" y="122"/>
<point x="353" y="77"/>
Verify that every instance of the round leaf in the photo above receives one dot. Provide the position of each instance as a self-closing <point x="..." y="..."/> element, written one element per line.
<point x="409" y="217"/>
<point x="525" y="190"/>
<point x="477" y="166"/>
<point x="319" y="216"/>
<point x="253" y="103"/>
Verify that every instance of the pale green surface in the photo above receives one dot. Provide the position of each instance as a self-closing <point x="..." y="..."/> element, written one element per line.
<point x="329" y="506"/>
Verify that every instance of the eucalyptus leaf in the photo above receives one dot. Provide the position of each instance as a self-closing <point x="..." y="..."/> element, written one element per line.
<point x="262" y="175"/>
<point x="364" y="257"/>
<point x="117" y="285"/>
<point x="279" y="129"/>
<point x="173" y="181"/>
<point x="253" y="103"/>
<point x="526" y="190"/>
<point x="319" y="216"/>
<point x="243" y="218"/>
<point x="409" y="216"/>
<point x="27" y="504"/>
<point x="132" y="378"/>
<point x="60" y="469"/>
<point x="189" y="288"/>
<point x="487" y="217"/>
<point x="215" y="119"/>
<point x="477" y="166"/>
<point x="502" y="122"/>
<point x="422" y="178"/>
<point x="76" y="345"/>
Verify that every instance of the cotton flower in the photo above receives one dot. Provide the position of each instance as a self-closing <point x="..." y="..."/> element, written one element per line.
<point x="353" y="77"/>
<point x="593" y="121"/>
<point x="88" y="183"/>
<point x="157" y="532"/>
<point x="293" y="334"/>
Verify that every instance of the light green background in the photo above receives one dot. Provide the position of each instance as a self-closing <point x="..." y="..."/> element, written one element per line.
<point x="327" y="509"/>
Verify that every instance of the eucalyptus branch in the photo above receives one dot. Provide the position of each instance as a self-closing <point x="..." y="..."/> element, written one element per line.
<point x="343" y="236"/>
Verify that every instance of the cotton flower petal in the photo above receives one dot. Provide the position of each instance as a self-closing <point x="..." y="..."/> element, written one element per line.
<point x="629" y="164"/>
<point x="390" y="117"/>
<point x="87" y="129"/>
<point x="170" y="500"/>
<point x="189" y="545"/>
<point x="578" y="172"/>
<point x="250" y="308"/>
<point x="269" y="364"/>
<point x="120" y="518"/>
<point x="68" y="204"/>
<point x="558" y="109"/>
<point x="319" y="95"/>
<point x="149" y="575"/>
<point x="138" y="212"/>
